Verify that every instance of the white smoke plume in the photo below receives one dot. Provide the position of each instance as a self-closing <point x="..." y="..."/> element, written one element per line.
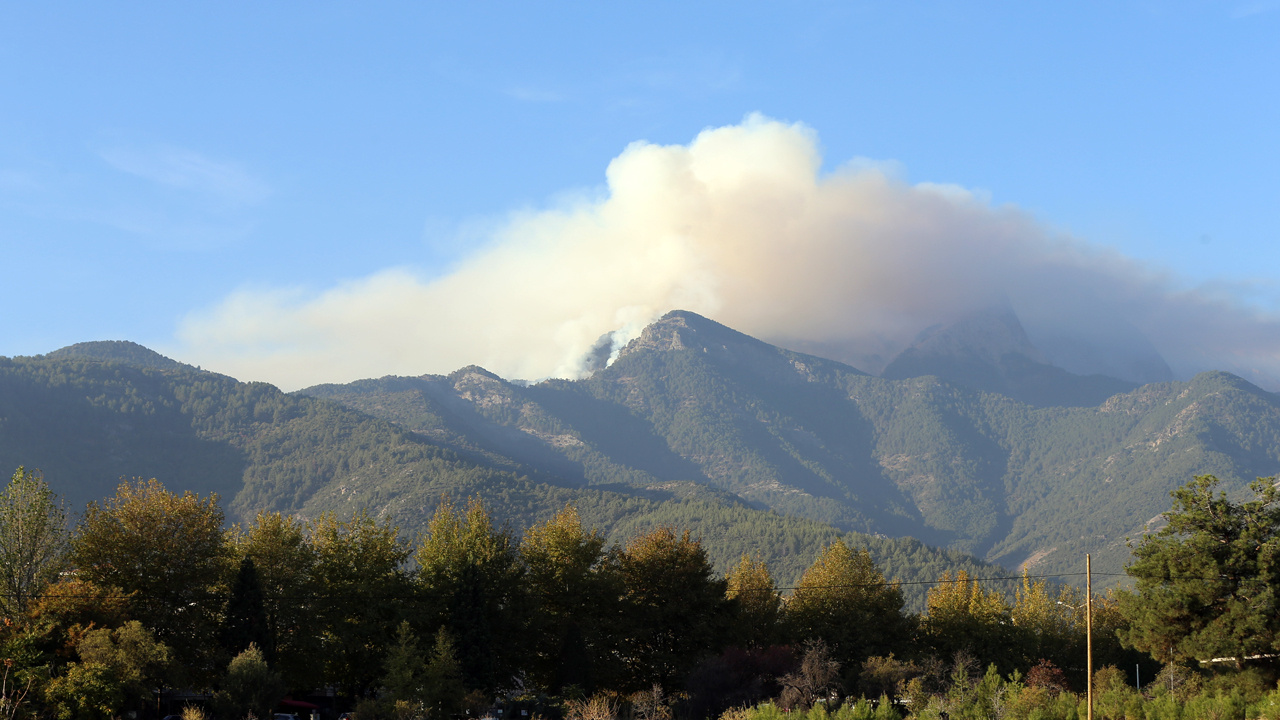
<point x="739" y="225"/>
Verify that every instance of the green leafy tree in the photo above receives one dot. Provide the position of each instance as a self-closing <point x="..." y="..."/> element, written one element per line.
<point x="248" y="687"/>
<point x="85" y="692"/>
<point x="675" y="610"/>
<point x="169" y="551"/>
<point x="362" y="584"/>
<point x="843" y="600"/>
<point x="471" y="573"/>
<point x="1206" y="584"/>
<point x="284" y="558"/>
<point x="33" y="540"/>
<point x="116" y="669"/>
<point x="138" y="660"/>
<point x="574" y="585"/>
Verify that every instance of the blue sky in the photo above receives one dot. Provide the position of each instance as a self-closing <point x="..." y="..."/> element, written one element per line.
<point x="158" y="158"/>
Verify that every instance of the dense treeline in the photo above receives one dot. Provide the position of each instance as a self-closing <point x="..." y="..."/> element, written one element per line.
<point x="151" y="590"/>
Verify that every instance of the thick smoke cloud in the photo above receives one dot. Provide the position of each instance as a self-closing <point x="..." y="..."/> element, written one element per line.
<point x="738" y="225"/>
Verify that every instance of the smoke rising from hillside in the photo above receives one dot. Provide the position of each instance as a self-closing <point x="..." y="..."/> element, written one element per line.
<point x="739" y="226"/>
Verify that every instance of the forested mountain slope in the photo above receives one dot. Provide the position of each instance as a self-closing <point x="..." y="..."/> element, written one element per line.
<point x="88" y="422"/>
<point x="692" y="403"/>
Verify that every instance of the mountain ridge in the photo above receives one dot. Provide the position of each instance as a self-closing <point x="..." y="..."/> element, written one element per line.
<point x="926" y="457"/>
<point x="689" y="414"/>
<point x="89" y="424"/>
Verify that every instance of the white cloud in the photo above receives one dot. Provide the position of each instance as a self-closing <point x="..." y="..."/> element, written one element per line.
<point x="740" y="226"/>
<point x="187" y="170"/>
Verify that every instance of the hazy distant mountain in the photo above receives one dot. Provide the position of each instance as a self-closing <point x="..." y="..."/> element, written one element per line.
<point x="1113" y="348"/>
<point x="989" y="350"/>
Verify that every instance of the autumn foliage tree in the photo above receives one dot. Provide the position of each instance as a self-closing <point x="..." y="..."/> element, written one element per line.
<point x="963" y="616"/>
<point x="844" y="600"/>
<point x="757" y="605"/>
<point x="170" y="554"/>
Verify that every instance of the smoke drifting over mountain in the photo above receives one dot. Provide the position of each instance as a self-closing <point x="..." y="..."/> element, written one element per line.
<point x="739" y="226"/>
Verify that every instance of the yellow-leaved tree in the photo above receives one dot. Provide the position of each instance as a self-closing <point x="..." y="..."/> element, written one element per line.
<point x="844" y="600"/>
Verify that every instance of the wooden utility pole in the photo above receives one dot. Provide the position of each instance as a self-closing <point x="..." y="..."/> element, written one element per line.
<point x="1088" y="625"/>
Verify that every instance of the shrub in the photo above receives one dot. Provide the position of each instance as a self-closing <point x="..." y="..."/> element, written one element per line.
<point x="248" y="687"/>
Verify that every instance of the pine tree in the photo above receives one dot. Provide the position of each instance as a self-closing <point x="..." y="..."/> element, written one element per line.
<point x="1208" y="584"/>
<point x="405" y="667"/>
<point x="442" y="687"/>
<point x="245" y="620"/>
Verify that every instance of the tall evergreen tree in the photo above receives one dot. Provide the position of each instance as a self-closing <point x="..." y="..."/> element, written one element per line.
<point x="1208" y="584"/>
<point x="442" y="686"/>
<point x="405" y="667"/>
<point x="245" y="620"/>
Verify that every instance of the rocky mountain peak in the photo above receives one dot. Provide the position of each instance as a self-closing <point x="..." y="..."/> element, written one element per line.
<point x="682" y="330"/>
